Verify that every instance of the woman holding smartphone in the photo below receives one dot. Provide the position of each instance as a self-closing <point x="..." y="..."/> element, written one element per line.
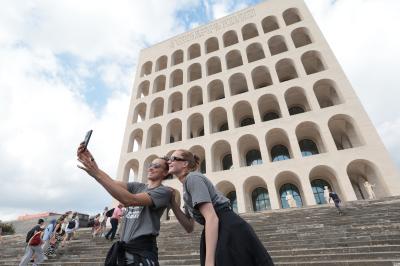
<point x="145" y="205"/>
<point x="227" y="240"/>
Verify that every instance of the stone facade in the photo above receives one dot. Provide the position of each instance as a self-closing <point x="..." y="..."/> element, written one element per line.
<point x="261" y="98"/>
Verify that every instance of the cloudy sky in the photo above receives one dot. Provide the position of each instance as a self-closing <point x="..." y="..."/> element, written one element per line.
<point x="67" y="66"/>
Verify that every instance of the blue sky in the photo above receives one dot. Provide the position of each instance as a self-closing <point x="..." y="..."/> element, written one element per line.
<point x="67" y="66"/>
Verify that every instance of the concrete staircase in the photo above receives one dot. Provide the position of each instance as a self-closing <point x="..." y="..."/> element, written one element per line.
<point x="367" y="234"/>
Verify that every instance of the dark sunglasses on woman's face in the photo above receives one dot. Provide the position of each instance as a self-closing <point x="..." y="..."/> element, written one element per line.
<point x="174" y="158"/>
<point x="154" y="165"/>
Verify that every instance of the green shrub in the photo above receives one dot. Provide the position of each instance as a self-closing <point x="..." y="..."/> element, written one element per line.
<point x="7" y="229"/>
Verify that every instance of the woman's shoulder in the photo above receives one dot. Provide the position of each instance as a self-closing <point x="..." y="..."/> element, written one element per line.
<point x="195" y="176"/>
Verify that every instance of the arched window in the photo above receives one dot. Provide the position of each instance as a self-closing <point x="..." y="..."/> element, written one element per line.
<point x="277" y="45"/>
<point x="215" y="90"/>
<point x="279" y="153"/>
<point x="213" y="65"/>
<point x="238" y="84"/>
<point x="312" y="62"/>
<point x="260" y="199"/>
<point x="177" y="57"/>
<point x="161" y="63"/>
<point x="232" y="198"/>
<point x="291" y="16"/>
<point x="326" y="92"/>
<point x="146" y="69"/>
<point x="318" y="190"/>
<point x="230" y="38"/>
<point x="194" y="51"/>
<point x="143" y="89"/>
<point x="212" y="45"/>
<point x="176" y="78"/>
<point x="261" y="77"/>
<point x="269" y="24"/>
<point x="292" y="189"/>
<point x="308" y="147"/>
<point x="247" y="121"/>
<point x="301" y="37"/>
<point x="249" y="31"/>
<point x="253" y="157"/>
<point x="227" y="162"/>
<point x="159" y="84"/>
<point x="344" y="133"/>
<point x="233" y="59"/>
<point x="194" y="72"/>
<point x="294" y="110"/>
<point x="254" y="52"/>
<point x="270" y="116"/>
<point x="285" y="70"/>
<point x="195" y="96"/>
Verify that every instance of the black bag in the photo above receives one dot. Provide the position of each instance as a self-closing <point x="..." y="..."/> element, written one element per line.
<point x="32" y="232"/>
<point x="71" y="224"/>
<point x="109" y="213"/>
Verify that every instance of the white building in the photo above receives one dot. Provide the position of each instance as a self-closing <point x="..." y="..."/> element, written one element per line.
<point x="261" y="98"/>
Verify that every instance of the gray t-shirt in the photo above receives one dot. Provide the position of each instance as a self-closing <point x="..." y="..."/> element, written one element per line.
<point x="145" y="220"/>
<point x="198" y="189"/>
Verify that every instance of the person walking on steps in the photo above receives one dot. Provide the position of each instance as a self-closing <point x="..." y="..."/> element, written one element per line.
<point x="117" y="214"/>
<point x="335" y="197"/>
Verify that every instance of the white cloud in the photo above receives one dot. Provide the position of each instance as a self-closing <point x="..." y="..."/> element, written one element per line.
<point x="48" y="51"/>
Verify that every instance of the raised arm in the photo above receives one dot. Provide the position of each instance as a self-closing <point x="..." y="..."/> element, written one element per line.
<point x="183" y="219"/>
<point x="117" y="189"/>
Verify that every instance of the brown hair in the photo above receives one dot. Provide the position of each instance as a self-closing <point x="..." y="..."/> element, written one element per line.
<point x="192" y="159"/>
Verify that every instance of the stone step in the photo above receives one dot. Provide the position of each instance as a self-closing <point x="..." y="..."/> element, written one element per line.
<point x="368" y="234"/>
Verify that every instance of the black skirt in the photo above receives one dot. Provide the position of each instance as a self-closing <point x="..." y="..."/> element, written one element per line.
<point x="238" y="244"/>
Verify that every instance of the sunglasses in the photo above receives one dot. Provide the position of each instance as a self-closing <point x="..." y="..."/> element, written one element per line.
<point x="154" y="166"/>
<point x="174" y="159"/>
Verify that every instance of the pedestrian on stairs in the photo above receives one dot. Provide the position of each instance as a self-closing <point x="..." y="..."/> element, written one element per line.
<point x="145" y="205"/>
<point x="227" y="240"/>
<point x="56" y="238"/>
<point x="47" y="234"/>
<point x="335" y="197"/>
<point x="116" y="216"/>
<point x="103" y="221"/>
<point x="34" y="245"/>
<point x="96" y="226"/>
<point x="70" y="229"/>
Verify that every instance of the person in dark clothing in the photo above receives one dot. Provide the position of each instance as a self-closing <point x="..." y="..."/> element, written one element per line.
<point x="333" y="196"/>
<point x="36" y="228"/>
<point x="227" y="240"/>
<point x="144" y="203"/>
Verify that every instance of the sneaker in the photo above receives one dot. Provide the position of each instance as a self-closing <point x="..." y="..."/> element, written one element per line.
<point x="45" y="257"/>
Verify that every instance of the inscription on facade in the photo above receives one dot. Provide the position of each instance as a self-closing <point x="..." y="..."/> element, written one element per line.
<point x="213" y="27"/>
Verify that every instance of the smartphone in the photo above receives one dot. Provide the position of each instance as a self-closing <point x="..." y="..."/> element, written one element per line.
<point x="87" y="138"/>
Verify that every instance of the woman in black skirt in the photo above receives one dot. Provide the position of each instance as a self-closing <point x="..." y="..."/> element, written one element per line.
<point x="226" y="239"/>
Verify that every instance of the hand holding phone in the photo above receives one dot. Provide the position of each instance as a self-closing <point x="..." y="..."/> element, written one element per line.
<point x="86" y="140"/>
